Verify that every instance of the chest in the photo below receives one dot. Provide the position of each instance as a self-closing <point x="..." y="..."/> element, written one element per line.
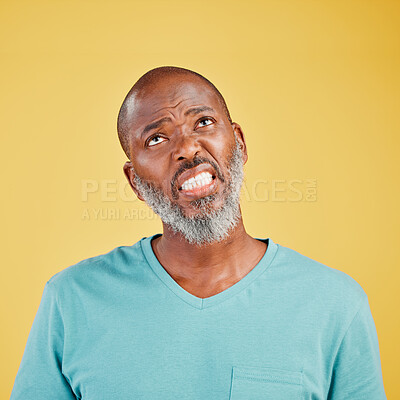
<point x="154" y="353"/>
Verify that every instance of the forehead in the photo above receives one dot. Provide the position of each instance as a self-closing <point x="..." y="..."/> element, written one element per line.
<point x="171" y="95"/>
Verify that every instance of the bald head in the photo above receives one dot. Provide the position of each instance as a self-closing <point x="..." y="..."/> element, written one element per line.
<point x="147" y="83"/>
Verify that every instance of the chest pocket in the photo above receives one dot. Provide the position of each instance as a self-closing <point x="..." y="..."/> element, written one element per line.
<point x="256" y="383"/>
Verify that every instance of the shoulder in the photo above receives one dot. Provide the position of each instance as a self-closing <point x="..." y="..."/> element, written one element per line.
<point x="326" y="284"/>
<point x="95" y="269"/>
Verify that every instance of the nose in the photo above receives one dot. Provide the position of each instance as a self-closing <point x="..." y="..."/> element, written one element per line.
<point x="186" y="148"/>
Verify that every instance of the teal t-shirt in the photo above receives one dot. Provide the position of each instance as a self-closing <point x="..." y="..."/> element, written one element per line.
<point x="117" y="326"/>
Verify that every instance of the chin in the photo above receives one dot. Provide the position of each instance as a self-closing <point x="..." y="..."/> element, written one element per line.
<point x="204" y="210"/>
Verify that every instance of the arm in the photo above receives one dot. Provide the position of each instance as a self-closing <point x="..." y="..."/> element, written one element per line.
<point x="357" y="370"/>
<point x="40" y="373"/>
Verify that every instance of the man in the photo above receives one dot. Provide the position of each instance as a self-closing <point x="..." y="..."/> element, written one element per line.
<point x="203" y="311"/>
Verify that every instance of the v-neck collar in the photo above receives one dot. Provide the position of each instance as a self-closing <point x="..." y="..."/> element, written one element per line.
<point x="207" y="302"/>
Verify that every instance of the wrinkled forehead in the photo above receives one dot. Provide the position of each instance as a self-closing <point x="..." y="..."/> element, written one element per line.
<point x="169" y="96"/>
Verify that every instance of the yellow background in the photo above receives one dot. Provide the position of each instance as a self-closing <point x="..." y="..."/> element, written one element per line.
<point x="314" y="84"/>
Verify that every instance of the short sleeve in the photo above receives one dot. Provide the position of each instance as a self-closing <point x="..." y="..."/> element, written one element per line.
<point x="357" y="370"/>
<point x="40" y="372"/>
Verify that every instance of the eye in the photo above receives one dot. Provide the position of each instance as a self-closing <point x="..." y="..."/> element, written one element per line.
<point x="205" y="122"/>
<point x="156" y="139"/>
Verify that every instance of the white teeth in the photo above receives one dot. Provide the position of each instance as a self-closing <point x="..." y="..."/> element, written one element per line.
<point x="198" y="181"/>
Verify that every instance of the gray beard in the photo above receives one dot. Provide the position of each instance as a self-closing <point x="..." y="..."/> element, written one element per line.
<point x="208" y="225"/>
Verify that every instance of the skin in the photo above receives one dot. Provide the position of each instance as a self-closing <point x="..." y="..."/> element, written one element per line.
<point x="207" y="270"/>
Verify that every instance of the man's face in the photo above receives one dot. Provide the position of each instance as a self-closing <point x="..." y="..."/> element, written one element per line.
<point x="183" y="147"/>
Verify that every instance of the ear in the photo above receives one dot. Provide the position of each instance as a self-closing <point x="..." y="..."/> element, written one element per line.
<point x="128" y="171"/>
<point x="237" y="130"/>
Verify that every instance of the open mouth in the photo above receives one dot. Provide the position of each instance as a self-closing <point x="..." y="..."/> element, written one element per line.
<point x="199" y="181"/>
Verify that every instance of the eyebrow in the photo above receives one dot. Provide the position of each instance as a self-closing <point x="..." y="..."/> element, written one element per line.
<point x="191" y="111"/>
<point x="155" y="125"/>
<point x="198" y="110"/>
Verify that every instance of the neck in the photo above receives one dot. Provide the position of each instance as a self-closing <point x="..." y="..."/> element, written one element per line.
<point x="211" y="268"/>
